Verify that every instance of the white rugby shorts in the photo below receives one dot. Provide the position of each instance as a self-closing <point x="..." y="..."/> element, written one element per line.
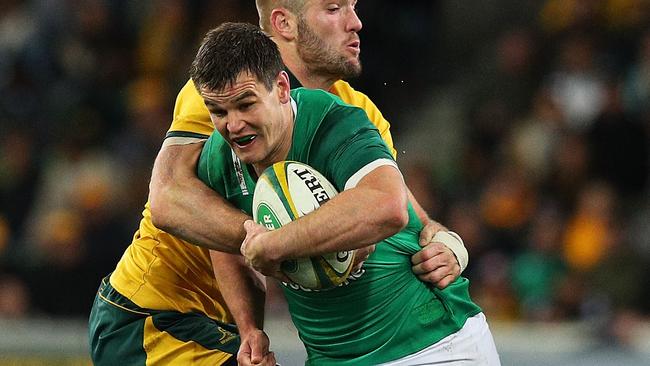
<point x="471" y="345"/>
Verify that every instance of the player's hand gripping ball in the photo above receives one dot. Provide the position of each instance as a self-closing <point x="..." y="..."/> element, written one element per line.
<point x="286" y="191"/>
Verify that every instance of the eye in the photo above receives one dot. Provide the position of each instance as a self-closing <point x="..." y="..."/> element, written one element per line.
<point x="219" y="113"/>
<point x="333" y="8"/>
<point x="245" y="106"/>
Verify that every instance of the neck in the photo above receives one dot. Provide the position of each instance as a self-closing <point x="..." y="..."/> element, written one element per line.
<point x="299" y="69"/>
<point x="281" y="150"/>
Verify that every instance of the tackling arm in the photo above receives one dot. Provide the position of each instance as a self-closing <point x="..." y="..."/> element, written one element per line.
<point x="244" y="291"/>
<point x="184" y="206"/>
<point x="436" y="263"/>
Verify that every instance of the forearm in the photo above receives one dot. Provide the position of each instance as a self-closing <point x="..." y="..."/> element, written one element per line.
<point x="431" y="227"/>
<point x="184" y="206"/>
<point x="202" y="217"/>
<point x="242" y="288"/>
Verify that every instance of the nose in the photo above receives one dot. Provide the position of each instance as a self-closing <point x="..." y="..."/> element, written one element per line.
<point x="354" y="22"/>
<point x="235" y="123"/>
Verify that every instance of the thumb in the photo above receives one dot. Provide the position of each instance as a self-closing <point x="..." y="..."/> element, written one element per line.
<point x="426" y="235"/>
<point x="258" y="351"/>
<point x="243" y="247"/>
<point x="249" y="225"/>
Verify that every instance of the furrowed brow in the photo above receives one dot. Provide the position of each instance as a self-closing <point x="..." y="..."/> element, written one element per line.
<point x="244" y="95"/>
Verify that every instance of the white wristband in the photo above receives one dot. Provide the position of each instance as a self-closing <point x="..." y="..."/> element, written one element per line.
<point x="454" y="242"/>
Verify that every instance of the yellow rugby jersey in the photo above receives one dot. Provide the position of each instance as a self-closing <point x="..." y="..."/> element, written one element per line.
<point x="162" y="272"/>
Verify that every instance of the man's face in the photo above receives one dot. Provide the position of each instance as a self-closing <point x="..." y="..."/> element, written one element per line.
<point x="250" y="118"/>
<point x="328" y="40"/>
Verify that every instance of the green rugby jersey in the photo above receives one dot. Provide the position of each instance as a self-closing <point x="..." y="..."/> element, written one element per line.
<point x="383" y="313"/>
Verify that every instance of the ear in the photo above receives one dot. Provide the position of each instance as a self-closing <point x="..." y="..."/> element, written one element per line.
<point x="283" y="24"/>
<point x="284" y="87"/>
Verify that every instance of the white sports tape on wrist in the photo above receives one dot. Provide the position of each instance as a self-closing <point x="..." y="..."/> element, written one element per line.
<point x="454" y="242"/>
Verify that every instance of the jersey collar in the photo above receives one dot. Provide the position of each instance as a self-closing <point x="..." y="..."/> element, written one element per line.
<point x="294" y="107"/>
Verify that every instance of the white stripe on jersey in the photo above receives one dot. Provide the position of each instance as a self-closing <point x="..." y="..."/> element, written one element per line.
<point x="182" y="140"/>
<point x="356" y="177"/>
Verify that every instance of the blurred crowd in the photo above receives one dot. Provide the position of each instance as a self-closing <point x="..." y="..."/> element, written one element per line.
<point x="527" y="132"/>
<point x="547" y="177"/>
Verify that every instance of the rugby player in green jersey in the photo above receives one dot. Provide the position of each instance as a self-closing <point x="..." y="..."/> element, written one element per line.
<point x="168" y="272"/>
<point x="386" y="315"/>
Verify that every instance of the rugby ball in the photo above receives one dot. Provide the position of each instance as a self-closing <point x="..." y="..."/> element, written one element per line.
<point x="286" y="191"/>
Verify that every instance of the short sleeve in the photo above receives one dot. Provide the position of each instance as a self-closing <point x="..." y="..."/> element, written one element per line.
<point x="346" y="142"/>
<point x="191" y="118"/>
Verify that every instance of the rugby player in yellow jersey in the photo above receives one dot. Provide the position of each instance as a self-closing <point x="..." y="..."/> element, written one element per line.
<point x="172" y="302"/>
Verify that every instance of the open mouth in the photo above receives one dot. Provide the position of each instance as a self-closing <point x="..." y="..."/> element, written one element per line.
<point x="355" y="45"/>
<point x="245" y="140"/>
<point x="354" y="49"/>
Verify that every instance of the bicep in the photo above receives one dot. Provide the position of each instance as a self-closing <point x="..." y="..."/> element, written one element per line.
<point x="383" y="189"/>
<point x="386" y="179"/>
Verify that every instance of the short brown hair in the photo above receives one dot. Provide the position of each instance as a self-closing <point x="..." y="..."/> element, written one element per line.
<point x="233" y="48"/>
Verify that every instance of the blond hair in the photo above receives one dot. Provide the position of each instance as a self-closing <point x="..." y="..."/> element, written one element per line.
<point x="265" y="7"/>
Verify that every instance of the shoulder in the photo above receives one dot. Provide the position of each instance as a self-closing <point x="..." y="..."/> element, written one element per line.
<point x="318" y="99"/>
<point x="320" y="114"/>
<point x="190" y="114"/>
<point x="188" y="101"/>
<point x="318" y="105"/>
<point x="315" y="96"/>
<point x="356" y="98"/>
<point x="315" y="105"/>
<point x="351" y="96"/>
<point x="340" y="93"/>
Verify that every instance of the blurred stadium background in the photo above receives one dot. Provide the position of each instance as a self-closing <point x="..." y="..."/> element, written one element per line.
<point x="524" y="125"/>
